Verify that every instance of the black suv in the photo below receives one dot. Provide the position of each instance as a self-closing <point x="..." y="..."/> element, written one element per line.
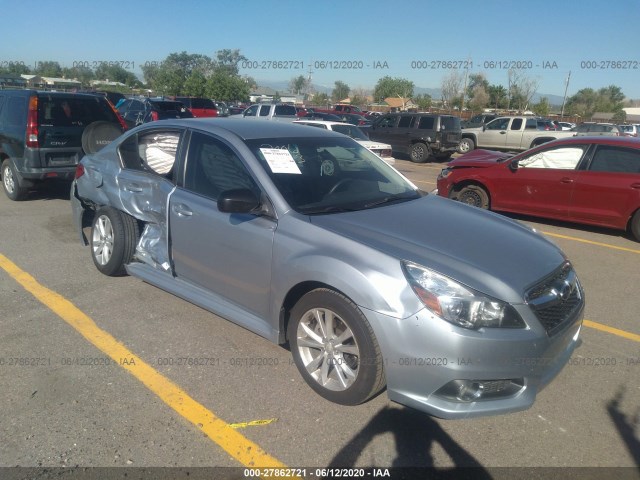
<point x="137" y="111"/>
<point x="43" y="135"/>
<point x="419" y="135"/>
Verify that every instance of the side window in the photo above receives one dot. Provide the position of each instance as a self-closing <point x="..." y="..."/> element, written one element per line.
<point x="563" y="158"/>
<point x="499" y="124"/>
<point x="14" y="113"/>
<point x="406" y="121"/>
<point x="426" y="123"/>
<point x="152" y="152"/>
<point x="388" y="122"/>
<point x="532" y="124"/>
<point x="615" y="160"/>
<point x="516" y="124"/>
<point x="212" y="168"/>
<point x="264" y="110"/>
<point x="252" y="111"/>
<point x="124" y="106"/>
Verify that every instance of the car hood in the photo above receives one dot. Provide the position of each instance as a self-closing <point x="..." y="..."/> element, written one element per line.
<point x="483" y="250"/>
<point x="479" y="158"/>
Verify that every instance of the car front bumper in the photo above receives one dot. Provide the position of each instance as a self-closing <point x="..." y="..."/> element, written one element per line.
<point x="424" y="355"/>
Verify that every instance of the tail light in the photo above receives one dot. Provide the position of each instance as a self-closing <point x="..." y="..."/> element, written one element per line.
<point x="32" y="123"/>
<point x="154" y="116"/>
<point x="79" y="171"/>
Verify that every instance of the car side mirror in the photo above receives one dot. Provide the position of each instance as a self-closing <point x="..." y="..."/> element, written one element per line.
<point x="484" y="127"/>
<point x="238" y="200"/>
<point x="513" y="165"/>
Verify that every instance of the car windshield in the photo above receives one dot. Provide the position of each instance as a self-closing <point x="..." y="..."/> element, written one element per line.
<point x="351" y="131"/>
<point x="328" y="174"/>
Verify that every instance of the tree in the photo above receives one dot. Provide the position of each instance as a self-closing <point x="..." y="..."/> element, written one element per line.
<point x="587" y="101"/>
<point x="320" y="99"/>
<point x="115" y="73"/>
<point x="423" y="101"/>
<point x="48" y="69"/>
<point x="15" y="68"/>
<point x="228" y="60"/>
<point x="619" y="116"/>
<point x="340" y="91"/>
<point x="226" y="87"/>
<point x="497" y="96"/>
<point x="479" y="98"/>
<point x="196" y="84"/>
<point x="521" y="89"/>
<point x="476" y="80"/>
<point x="82" y="74"/>
<point x="542" y="108"/>
<point x="393" y="87"/>
<point x="298" y="84"/>
<point x="451" y="89"/>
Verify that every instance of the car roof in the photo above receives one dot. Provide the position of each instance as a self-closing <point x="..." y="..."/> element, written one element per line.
<point x="601" y="140"/>
<point x="247" y="129"/>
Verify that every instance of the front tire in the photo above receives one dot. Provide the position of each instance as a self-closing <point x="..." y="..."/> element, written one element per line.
<point x="466" y="145"/>
<point x="114" y="236"/>
<point x="475" y="196"/>
<point x="11" y="182"/>
<point x="334" y="348"/>
<point x="635" y="225"/>
<point x="420" y="152"/>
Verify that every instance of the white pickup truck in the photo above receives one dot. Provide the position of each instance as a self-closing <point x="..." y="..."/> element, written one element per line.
<point x="270" y="111"/>
<point x="508" y="133"/>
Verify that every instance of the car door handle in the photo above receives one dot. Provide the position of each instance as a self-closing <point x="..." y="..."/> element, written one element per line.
<point x="132" y="187"/>
<point x="636" y="186"/>
<point x="503" y="132"/>
<point x="181" y="210"/>
<point x="566" y="180"/>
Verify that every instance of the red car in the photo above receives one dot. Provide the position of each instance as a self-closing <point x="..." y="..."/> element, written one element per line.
<point x="590" y="180"/>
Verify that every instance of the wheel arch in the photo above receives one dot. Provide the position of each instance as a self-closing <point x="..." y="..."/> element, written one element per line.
<point x="455" y="188"/>
<point x="540" y="140"/>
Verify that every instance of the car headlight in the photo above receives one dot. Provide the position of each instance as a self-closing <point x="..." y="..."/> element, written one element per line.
<point x="458" y="304"/>
<point x="445" y="173"/>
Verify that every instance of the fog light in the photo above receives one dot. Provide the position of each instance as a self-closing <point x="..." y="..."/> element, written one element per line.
<point x="468" y="391"/>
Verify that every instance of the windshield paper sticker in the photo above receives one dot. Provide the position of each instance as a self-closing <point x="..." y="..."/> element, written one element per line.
<point x="280" y="160"/>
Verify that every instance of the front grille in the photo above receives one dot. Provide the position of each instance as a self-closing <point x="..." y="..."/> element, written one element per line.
<point x="556" y="299"/>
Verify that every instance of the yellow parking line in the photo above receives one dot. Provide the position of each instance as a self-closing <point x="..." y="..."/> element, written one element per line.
<point x="591" y="242"/>
<point x="235" y="444"/>
<point x="615" y="331"/>
<point x="253" y="423"/>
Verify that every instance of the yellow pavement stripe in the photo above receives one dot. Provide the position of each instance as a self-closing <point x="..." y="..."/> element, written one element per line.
<point x="614" y="331"/>
<point x="235" y="444"/>
<point x="253" y="423"/>
<point x="582" y="240"/>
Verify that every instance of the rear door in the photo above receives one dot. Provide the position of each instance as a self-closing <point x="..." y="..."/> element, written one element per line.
<point x="608" y="192"/>
<point x="227" y="254"/>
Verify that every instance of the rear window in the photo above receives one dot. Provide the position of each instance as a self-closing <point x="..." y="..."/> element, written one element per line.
<point x="202" y="103"/>
<point x="61" y="111"/>
<point x="449" y="123"/>
<point x="168" y="106"/>
<point x="14" y="113"/>
<point x="285" y="110"/>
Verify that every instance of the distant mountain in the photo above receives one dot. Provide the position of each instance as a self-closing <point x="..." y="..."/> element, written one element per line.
<point x="436" y="93"/>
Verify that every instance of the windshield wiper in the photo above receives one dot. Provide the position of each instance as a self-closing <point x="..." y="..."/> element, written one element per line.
<point x="392" y="199"/>
<point x="329" y="209"/>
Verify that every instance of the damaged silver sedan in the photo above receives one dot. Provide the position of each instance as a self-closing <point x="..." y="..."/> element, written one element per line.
<point x="306" y="238"/>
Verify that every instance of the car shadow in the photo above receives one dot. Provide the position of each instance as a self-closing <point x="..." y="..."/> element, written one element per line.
<point x="430" y="160"/>
<point x="415" y="434"/>
<point x="625" y="425"/>
<point x="566" y="224"/>
<point x="51" y="190"/>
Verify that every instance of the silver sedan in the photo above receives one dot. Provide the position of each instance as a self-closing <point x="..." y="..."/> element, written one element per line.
<point x="305" y="237"/>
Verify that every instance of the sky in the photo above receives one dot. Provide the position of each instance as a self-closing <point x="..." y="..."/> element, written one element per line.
<point x="354" y="41"/>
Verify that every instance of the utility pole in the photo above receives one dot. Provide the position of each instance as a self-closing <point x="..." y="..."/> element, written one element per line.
<point x="564" y="100"/>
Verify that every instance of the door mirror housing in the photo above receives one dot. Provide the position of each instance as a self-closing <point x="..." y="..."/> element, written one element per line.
<point x="239" y="200"/>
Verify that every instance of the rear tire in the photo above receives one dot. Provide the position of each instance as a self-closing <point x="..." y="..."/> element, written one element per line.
<point x="420" y="152"/>
<point x="11" y="181"/>
<point x="334" y="348"/>
<point x="635" y="225"/>
<point x="114" y="236"/>
<point x="466" y="145"/>
<point x="475" y="196"/>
